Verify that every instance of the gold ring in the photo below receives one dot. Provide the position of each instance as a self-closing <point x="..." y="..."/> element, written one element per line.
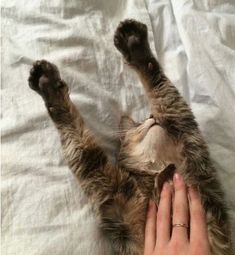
<point x="182" y="225"/>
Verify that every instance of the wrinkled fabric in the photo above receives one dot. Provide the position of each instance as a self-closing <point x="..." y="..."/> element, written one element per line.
<point x="44" y="210"/>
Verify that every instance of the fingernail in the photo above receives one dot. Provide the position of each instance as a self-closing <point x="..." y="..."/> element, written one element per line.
<point x="165" y="186"/>
<point x="177" y="177"/>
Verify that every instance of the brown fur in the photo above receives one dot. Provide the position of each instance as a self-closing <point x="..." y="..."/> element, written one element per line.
<point x="120" y="193"/>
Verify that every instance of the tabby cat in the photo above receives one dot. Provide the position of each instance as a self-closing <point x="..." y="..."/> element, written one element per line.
<point x="170" y="136"/>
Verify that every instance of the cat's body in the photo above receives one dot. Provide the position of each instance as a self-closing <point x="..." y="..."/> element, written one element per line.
<point x="120" y="193"/>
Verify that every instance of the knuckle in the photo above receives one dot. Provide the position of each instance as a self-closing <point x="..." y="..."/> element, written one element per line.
<point x="199" y="248"/>
<point x="180" y="187"/>
<point x="198" y="214"/>
<point x="150" y="216"/>
<point x="162" y="217"/>
<point x="177" y="246"/>
<point x="178" y="211"/>
<point x="165" y="200"/>
<point x="159" y="249"/>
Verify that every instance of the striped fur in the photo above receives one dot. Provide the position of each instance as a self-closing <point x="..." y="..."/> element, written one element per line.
<point x="120" y="193"/>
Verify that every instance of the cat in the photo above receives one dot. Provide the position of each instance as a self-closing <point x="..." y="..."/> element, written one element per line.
<point x="169" y="137"/>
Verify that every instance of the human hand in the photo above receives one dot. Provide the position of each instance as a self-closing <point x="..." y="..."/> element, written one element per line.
<point x="187" y="211"/>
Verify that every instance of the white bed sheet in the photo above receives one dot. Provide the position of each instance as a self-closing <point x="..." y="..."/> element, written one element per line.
<point x="43" y="208"/>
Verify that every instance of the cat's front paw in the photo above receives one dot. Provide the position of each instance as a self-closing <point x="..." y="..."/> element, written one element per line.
<point x="131" y="39"/>
<point x="45" y="79"/>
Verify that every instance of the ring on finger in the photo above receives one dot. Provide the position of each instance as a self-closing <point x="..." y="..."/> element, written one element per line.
<point x="182" y="225"/>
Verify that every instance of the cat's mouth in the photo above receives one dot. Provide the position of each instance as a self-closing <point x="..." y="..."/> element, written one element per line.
<point x="149" y="125"/>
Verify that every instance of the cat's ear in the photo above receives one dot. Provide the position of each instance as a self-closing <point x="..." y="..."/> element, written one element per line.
<point x="126" y="123"/>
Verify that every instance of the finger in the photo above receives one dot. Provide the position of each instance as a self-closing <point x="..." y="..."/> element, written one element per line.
<point x="164" y="216"/>
<point x="198" y="227"/>
<point x="180" y="209"/>
<point x="150" y="229"/>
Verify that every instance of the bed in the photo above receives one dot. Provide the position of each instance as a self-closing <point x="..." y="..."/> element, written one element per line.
<point x="43" y="209"/>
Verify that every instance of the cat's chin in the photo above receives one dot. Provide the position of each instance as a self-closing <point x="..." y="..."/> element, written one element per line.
<point x="154" y="128"/>
<point x="153" y="136"/>
<point x="147" y="149"/>
<point x="156" y="146"/>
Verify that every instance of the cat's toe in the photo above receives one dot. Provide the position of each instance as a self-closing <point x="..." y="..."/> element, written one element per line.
<point x="35" y="74"/>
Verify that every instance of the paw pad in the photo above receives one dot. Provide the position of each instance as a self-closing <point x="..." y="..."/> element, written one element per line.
<point x="45" y="79"/>
<point x="131" y="38"/>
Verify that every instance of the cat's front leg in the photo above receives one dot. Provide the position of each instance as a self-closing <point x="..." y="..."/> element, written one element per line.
<point x="167" y="106"/>
<point x="81" y="151"/>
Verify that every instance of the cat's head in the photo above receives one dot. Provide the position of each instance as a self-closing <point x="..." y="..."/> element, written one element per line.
<point x="143" y="143"/>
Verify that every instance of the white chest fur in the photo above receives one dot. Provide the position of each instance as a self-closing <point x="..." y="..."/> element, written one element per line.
<point x="157" y="148"/>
